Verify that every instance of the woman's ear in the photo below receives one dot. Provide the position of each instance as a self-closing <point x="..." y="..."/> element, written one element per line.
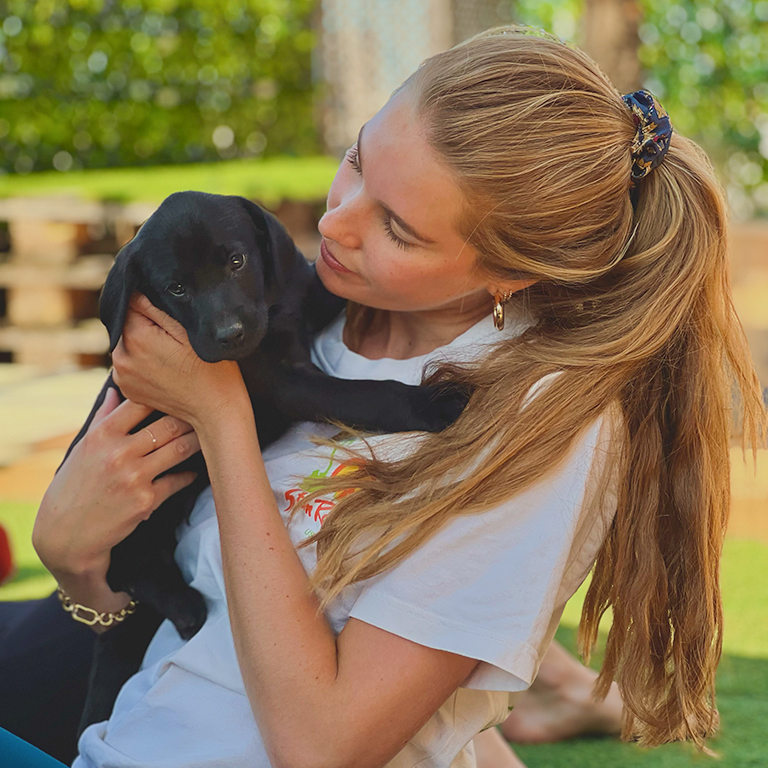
<point x="122" y="281"/>
<point x="509" y="287"/>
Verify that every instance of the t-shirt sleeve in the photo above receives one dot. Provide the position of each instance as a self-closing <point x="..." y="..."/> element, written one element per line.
<point x="492" y="586"/>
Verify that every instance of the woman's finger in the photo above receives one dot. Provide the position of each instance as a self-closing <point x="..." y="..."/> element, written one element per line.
<point x="110" y="402"/>
<point x="172" y="453"/>
<point x="167" y="485"/>
<point x="140" y="304"/>
<point x="126" y="416"/>
<point x="158" y="434"/>
<point x="119" y="357"/>
<point x="140" y="331"/>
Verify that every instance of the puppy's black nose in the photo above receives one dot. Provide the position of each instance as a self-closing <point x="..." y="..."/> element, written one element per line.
<point x="230" y="335"/>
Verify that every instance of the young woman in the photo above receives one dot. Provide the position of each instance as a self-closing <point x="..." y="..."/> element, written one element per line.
<point x="381" y="600"/>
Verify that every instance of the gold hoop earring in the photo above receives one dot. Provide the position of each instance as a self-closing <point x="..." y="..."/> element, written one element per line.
<point x="499" y="300"/>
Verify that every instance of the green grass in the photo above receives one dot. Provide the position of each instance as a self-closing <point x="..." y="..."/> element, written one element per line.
<point x="742" y="683"/>
<point x="32" y="580"/>
<point x="742" y="697"/>
<point x="743" y="579"/>
<point x="269" y="181"/>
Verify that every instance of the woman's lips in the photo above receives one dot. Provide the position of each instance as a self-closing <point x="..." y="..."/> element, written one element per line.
<point x="330" y="261"/>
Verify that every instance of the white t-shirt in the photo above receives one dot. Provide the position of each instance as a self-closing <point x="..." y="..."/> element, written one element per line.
<point x="488" y="586"/>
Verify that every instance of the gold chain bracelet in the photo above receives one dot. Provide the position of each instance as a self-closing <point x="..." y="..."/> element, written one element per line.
<point x="89" y="616"/>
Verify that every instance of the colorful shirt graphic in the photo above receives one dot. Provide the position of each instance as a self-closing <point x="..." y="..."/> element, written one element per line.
<point x="317" y="509"/>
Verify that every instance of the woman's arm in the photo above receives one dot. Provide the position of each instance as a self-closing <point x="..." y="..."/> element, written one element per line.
<point x="319" y="700"/>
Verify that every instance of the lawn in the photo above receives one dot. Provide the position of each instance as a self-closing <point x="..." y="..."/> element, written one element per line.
<point x="742" y="679"/>
<point x="269" y="181"/>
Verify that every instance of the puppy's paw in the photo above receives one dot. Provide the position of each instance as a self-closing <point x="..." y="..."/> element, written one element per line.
<point x="188" y="614"/>
<point x="441" y="405"/>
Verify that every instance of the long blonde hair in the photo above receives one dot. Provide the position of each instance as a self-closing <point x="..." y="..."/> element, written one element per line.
<point x="634" y="307"/>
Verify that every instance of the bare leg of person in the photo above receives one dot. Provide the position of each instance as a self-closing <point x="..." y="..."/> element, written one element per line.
<point x="491" y="751"/>
<point x="559" y="704"/>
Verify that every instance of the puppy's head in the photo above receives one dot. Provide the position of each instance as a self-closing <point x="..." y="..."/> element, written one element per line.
<point x="214" y="263"/>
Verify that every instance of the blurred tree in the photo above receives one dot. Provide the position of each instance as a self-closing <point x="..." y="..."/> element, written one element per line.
<point x="707" y="62"/>
<point x="103" y="83"/>
<point x="611" y="39"/>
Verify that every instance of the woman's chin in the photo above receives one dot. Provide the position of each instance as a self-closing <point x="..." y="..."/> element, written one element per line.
<point x="334" y="281"/>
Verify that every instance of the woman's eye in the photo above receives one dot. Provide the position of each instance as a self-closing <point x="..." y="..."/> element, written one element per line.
<point x="399" y="242"/>
<point x="352" y="158"/>
<point x="237" y="261"/>
<point x="176" y="289"/>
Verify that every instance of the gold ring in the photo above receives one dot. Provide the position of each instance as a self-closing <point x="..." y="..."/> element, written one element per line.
<point x="154" y="439"/>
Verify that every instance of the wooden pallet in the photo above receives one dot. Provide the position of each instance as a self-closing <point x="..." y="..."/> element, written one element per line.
<point x="55" y="348"/>
<point x="46" y="294"/>
<point x="50" y="285"/>
<point x="52" y="278"/>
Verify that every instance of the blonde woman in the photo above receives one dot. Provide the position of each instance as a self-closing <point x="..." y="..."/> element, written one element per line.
<point x="505" y="221"/>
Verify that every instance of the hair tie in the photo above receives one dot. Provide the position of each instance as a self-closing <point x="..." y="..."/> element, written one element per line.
<point x="654" y="131"/>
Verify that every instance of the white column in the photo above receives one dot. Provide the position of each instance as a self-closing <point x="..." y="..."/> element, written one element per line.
<point x="367" y="50"/>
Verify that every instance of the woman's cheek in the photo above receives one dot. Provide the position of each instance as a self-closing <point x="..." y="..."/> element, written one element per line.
<point x="402" y="277"/>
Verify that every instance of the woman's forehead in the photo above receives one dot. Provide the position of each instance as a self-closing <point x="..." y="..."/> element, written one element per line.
<point x="404" y="173"/>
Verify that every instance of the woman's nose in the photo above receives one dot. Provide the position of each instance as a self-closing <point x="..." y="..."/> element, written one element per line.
<point x="343" y="218"/>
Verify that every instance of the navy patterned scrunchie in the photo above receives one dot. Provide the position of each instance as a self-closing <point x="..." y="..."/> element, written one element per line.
<point x="654" y="131"/>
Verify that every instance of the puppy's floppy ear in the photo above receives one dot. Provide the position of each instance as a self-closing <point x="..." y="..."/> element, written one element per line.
<point x="283" y="254"/>
<point x="121" y="282"/>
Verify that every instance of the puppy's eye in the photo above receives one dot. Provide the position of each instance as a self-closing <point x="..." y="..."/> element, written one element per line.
<point x="175" y="289"/>
<point x="237" y="261"/>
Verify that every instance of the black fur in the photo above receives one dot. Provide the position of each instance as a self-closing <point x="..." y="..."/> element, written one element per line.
<point x="263" y="315"/>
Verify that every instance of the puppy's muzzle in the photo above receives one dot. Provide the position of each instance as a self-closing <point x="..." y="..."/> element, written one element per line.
<point x="230" y="336"/>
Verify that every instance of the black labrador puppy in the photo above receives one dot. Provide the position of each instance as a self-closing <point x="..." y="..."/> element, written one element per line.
<point x="228" y="272"/>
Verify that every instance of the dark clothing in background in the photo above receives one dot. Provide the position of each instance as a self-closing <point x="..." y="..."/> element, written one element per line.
<point x="45" y="658"/>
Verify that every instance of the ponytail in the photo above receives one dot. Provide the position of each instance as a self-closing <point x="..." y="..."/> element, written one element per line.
<point x="658" y="568"/>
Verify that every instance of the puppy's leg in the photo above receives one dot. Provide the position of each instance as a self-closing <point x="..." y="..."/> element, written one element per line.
<point x="144" y="566"/>
<point x="319" y="306"/>
<point x="307" y="394"/>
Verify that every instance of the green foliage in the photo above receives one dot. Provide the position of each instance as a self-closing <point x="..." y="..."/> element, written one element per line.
<point x="558" y="16"/>
<point x="707" y="62"/>
<point x="94" y="83"/>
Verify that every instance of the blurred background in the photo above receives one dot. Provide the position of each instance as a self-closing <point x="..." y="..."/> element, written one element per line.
<point x="107" y="107"/>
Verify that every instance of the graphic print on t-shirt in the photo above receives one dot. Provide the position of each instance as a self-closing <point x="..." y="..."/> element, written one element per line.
<point x="318" y="509"/>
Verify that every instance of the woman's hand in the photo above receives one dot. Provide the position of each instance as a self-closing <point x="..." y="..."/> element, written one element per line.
<point x="107" y="486"/>
<point x="155" y="365"/>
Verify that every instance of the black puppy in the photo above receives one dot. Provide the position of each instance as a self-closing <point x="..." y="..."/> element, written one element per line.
<point x="228" y="272"/>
